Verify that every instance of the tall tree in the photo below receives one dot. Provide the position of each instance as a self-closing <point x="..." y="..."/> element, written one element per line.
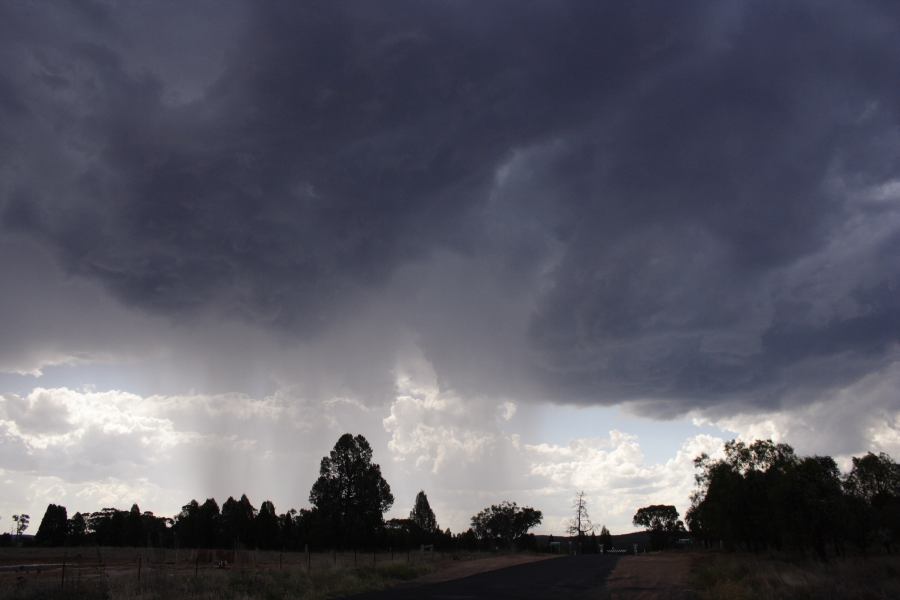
<point x="187" y="525"/>
<point x="873" y="488"/>
<point x="422" y="515"/>
<point x="237" y="520"/>
<point x="580" y="523"/>
<point x="134" y="527"/>
<point x="53" y="528"/>
<point x="21" y="523"/>
<point x="77" y="528"/>
<point x="350" y="494"/>
<point x="661" y="520"/>
<point x="505" y="523"/>
<point x="873" y="475"/>
<point x="267" y="526"/>
<point x="207" y="524"/>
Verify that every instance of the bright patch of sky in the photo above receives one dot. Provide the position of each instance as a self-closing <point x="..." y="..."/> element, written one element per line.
<point x="553" y="424"/>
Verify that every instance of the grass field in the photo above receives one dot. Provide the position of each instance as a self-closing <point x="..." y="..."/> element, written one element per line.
<point x="114" y="573"/>
<point x="136" y="573"/>
<point x="738" y="576"/>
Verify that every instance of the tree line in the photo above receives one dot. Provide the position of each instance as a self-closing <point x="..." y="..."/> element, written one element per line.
<point x="763" y="496"/>
<point x="348" y="502"/>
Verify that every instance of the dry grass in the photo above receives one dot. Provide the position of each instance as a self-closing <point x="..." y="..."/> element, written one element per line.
<point x="216" y="584"/>
<point x="719" y="576"/>
<point x="112" y="574"/>
<point x="650" y="576"/>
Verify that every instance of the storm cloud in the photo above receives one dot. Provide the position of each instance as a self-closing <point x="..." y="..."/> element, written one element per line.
<point x="681" y="206"/>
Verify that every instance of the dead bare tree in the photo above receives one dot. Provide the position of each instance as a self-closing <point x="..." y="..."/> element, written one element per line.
<point x="580" y="524"/>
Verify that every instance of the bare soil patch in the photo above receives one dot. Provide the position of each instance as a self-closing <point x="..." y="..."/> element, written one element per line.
<point x="651" y="577"/>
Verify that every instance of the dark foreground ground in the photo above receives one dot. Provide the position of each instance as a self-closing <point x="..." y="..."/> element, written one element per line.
<point x="560" y="578"/>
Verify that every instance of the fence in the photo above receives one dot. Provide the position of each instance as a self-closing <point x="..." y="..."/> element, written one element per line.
<point x="80" y="569"/>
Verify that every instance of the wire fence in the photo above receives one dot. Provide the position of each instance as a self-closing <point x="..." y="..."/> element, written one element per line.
<point x="83" y="568"/>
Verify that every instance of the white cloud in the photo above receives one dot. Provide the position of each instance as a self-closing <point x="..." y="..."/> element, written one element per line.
<point x="160" y="451"/>
<point x="613" y="473"/>
<point x="860" y="417"/>
<point x="434" y="428"/>
<point x="506" y="410"/>
<point x="455" y="449"/>
<point x="91" y="448"/>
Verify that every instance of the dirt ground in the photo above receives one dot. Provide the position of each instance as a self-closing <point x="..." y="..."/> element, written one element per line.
<point x="449" y="571"/>
<point x="651" y="577"/>
<point x="565" y="578"/>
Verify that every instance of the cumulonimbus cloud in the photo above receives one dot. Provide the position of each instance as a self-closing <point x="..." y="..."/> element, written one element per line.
<point x="682" y="205"/>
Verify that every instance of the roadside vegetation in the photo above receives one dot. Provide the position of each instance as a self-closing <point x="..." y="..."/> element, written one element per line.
<point x="741" y="575"/>
<point x="266" y="578"/>
<point x="215" y="584"/>
<point x="763" y="497"/>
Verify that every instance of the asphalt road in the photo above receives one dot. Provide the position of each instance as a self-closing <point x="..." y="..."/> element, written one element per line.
<point x="559" y="578"/>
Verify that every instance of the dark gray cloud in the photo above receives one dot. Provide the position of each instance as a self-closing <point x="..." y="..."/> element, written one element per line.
<point x="678" y="203"/>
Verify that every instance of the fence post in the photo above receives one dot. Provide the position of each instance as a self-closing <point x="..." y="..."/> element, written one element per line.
<point x="334" y="557"/>
<point x="140" y="563"/>
<point x="354" y="557"/>
<point x="62" y="583"/>
<point x="392" y="554"/>
<point x="280" y="559"/>
<point x="373" y="557"/>
<point x="308" y="559"/>
<point x="197" y="564"/>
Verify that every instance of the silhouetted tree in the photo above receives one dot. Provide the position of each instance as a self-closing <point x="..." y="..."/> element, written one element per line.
<point x="743" y="498"/>
<point x="580" y="524"/>
<point x="313" y="528"/>
<point x="404" y="533"/>
<point x="77" y="530"/>
<point x="134" y="528"/>
<point x="350" y="494"/>
<point x="206" y="527"/>
<point x="156" y="530"/>
<point x="505" y="523"/>
<point x="469" y="540"/>
<point x="187" y="525"/>
<point x="289" y="530"/>
<point x="660" y="520"/>
<point x="237" y="520"/>
<point x="873" y="487"/>
<point x="817" y="506"/>
<point x="762" y="495"/>
<point x="605" y="538"/>
<point x="21" y="523"/>
<point x="873" y="476"/>
<point x="53" y="528"/>
<point x="267" y="527"/>
<point x="422" y="515"/>
<point x="107" y="527"/>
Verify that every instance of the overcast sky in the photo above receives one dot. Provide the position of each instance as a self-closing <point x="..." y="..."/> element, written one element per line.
<point x="524" y="247"/>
